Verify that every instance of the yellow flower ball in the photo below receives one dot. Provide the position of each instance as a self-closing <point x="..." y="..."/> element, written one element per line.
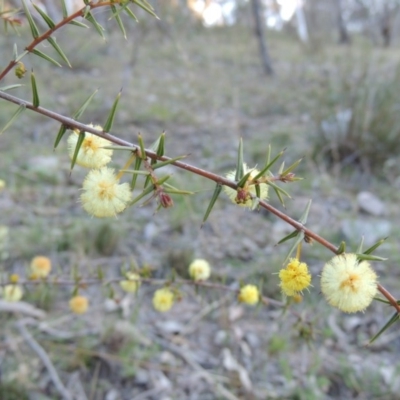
<point x="79" y="304"/>
<point x="12" y="293"/>
<point x="14" y="278"/>
<point x="40" y="267"/>
<point x="163" y="299"/>
<point x="249" y="294"/>
<point x="132" y="283"/>
<point x="243" y="197"/>
<point x="103" y="195"/>
<point x="91" y="153"/>
<point x="348" y="283"/>
<point x="199" y="270"/>
<point x="294" y="278"/>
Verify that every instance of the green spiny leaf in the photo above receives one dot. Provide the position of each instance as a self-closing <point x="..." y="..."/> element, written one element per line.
<point x="119" y="20"/>
<point x="32" y="25"/>
<point x="64" y="9"/>
<point x="359" y="248"/>
<point x="304" y="216"/>
<point x="138" y="162"/>
<point x="299" y="239"/>
<point x="83" y="107"/>
<point x="46" y="57"/>
<point x="57" y="48"/>
<point x="14" y="116"/>
<point x="80" y="24"/>
<point x="217" y="192"/>
<point x="239" y="166"/>
<point x="50" y="23"/>
<point x="60" y="135"/>
<point x="10" y="87"/>
<point x="146" y="7"/>
<point x="81" y="138"/>
<point x="279" y="189"/>
<point x="342" y="248"/>
<point x="97" y="26"/>
<point x="268" y="164"/>
<point x="164" y="163"/>
<point x="288" y="237"/>
<point x="110" y="120"/>
<point x="375" y="246"/>
<point x="243" y="180"/>
<point x="130" y="13"/>
<point x="369" y="257"/>
<point x="142" y="148"/>
<point x="394" y="318"/>
<point x="35" y="94"/>
<point x="292" y="167"/>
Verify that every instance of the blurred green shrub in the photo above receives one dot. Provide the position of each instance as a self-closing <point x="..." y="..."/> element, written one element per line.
<point x="357" y="118"/>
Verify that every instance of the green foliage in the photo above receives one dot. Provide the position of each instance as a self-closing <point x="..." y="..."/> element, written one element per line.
<point x="357" y="118"/>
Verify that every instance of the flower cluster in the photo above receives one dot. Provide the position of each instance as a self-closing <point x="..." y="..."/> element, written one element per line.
<point x="92" y="153"/>
<point x="199" y="270"/>
<point x="40" y="267"/>
<point x="249" y="294"/>
<point x="79" y="304"/>
<point x="103" y="195"/>
<point x="244" y="196"/>
<point x="163" y="299"/>
<point x="348" y="283"/>
<point x="131" y="284"/>
<point x="294" y="278"/>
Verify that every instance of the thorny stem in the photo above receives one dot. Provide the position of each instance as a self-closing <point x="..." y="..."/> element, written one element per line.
<point x="48" y="33"/>
<point x="72" y="124"/>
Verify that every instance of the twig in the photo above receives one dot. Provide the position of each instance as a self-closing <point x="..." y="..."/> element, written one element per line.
<point x="223" y="391"/>
<point x="21" y="307"/>
<point x="35" y="346"/>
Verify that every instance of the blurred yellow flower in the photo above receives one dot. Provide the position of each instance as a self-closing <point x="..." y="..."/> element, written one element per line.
<point x="243" y="196"/>
<point x="348" y="283"/>
<point x="163" y="299"/>
<point x="14" y="278"/>
<point x="40" y="267"/>
<point x="199" y="270"/>
<point x="294" y="278"/>
<point x="249" y="294"/>
<point x="91" y="153"/>
<point x="79" y="304"/>
<point x="103" y="195"/>
<point x="132" y="283"/>
<point x="13" y="293"/>
<point x="2" y="184"/>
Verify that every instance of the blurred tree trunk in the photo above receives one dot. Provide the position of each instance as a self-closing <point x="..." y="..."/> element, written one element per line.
<point x="344" y="37"/>
<point x="261" y="36"/>
<point x="302" y="30"/>
<point x="386" y="26"/>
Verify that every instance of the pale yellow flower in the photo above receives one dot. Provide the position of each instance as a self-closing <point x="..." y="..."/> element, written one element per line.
<point x="348" y="284"/>
<point x="2" y="184"/>
<point x="294" y="278"/>
<point x="163" y="299"/>
<point x="92" y="153"/>
<point x="103" y="195"/>
<point x="249" y="294"/>
<point x="40" y="267"/>
<point x="199" y="270"/>
<point x="79" y="304"/>
<point x="243" y="197"/>
<point x="13" y="293"/>
<point x="131" y="284"/>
